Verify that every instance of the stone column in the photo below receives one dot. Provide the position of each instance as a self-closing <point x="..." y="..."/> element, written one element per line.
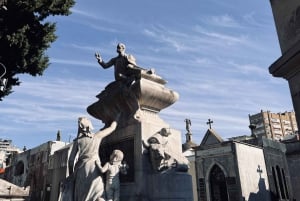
<point x="287" y="20"/>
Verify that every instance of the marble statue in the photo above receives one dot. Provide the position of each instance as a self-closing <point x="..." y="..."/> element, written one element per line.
<point x="151" y="147"/>
<point x="85" y="182"/>
<point x="188" y="124"/>
<point x="112" y="170"/>
<point x="161" y="155"/>
<point x="125" y="65"/>
<point x="125" y="94"/>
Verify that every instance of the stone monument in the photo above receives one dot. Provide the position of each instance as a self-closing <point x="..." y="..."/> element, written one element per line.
<point x="157" y="170"/>
<point x="287" y="20"/>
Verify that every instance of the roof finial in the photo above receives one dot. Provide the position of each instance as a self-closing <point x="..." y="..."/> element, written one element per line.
<point x="210" y="122"/>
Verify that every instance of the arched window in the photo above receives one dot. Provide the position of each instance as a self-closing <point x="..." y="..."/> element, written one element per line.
<point x="275" y="182"/>
<point x="218" y="187"/>
<point x="285" y="186"/>
<point x="280" y="182"/>
<point x="19" y="169"/>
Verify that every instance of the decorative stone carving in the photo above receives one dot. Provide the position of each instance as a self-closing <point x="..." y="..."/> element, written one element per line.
<point x="85" y="182"/>
<point x="112" y="170"/>
<point x="188" y="124"/>
<point x="146" y="93"/>
<point x="162" y="156"/>
<point x="139" y="95"/>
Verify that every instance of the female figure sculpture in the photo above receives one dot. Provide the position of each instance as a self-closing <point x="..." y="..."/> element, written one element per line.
<point x="85" y="182"/>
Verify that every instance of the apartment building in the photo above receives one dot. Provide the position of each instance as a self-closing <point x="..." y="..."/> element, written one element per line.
<point x="273" y="125"/>
<point x="6" y="149"/>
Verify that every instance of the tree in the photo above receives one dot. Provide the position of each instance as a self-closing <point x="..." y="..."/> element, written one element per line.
<point x="25" y="34"/>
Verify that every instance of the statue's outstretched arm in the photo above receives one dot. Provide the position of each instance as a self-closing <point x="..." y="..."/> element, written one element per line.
<point x="107" y="131"/>
<point x="102" y="63"/>
<point x="102" y="169"/>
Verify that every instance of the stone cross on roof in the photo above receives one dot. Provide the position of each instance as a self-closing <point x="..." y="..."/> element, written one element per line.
<point x="209" y="123"/>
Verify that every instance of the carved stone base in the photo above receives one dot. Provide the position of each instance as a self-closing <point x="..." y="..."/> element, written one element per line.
<point x="139" y="102"/>
<point x="129" y="96"/>
<point x="161" y="187"/>
<point x="143" y="182"/>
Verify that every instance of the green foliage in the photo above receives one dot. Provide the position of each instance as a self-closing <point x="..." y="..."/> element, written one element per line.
<point x="25" y="35"/>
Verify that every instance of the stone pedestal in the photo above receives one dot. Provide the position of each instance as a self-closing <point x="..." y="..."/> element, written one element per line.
<point x="287" y="20"/>
<point x="139" y="102"/>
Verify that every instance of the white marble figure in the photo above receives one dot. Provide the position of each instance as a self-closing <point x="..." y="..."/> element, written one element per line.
<point x="112" y="170"/>
<point x="125" y="67"/>
<point x="122" y="63"/>
<point x="161" y="155"/>
<point x="85" y="182"/>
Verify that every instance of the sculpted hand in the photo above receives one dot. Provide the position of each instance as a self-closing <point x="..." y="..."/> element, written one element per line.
<point x="124" y="167"/>
<point x="98" y="57"/>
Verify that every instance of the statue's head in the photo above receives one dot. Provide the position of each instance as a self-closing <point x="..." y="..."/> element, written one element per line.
<point x="120" y="48"/>
<point x="116" y="156"/>
<point x="85" y="124"/>
<point x="165" y="132"/>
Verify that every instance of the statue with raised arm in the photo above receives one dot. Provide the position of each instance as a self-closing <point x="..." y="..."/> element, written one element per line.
<point x="125" y="65"/>
<point x="85" y="182"/>
<point x="134" y="88"/>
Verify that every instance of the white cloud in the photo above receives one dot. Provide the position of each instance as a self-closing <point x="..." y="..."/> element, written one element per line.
<point x="72" y="62"/>
<point x="248" y="69"/>
<point x="254" y="21"/>
<point x="166" y="37"/>
<point x="223" y="38"/>
<point x="85" y="13"/>
<point x="222" y="21"/>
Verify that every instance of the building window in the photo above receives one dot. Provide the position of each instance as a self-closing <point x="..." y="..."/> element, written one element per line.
<point x="279" y="176"/>
<point x="19" y="169"/>
<point x="285" y="186"/>
<point x="275" y="182"/>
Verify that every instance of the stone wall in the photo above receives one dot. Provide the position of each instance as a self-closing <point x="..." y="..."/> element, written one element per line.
<point x="252" y="172"/>
<point x="293" y="161"/>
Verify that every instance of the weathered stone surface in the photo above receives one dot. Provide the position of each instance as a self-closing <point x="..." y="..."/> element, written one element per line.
<point x="10" y="191"/>
<point x="287" y="21"/>
<point x="146" y="93"/>
<point x="141" y="177"/>
<point x="242" y="172"/>
<point x="85" y="181"/>
<point x="139" y="95"/>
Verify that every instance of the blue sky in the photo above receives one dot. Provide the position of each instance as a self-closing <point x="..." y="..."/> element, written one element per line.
<point x="215" y="54"/>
